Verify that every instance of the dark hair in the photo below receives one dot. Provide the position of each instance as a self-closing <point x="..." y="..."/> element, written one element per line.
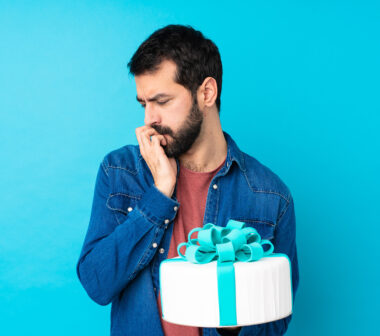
<point x="196" y="57"/>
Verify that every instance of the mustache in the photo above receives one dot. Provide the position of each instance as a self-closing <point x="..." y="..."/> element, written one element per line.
<point x="162" y="130"/>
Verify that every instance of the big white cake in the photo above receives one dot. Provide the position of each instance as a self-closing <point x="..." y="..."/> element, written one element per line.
<point x="189" y="291"/>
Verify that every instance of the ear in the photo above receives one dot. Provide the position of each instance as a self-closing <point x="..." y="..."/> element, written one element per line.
<point x="207" y="92"/>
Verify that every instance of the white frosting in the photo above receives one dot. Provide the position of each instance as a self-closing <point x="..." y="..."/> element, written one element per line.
<point x="189" y="292"/>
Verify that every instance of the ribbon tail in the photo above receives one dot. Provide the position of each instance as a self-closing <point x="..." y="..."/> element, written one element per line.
<point x="226" y="293"/>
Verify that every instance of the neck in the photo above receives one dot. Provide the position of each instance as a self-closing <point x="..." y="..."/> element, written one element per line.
<point x="209" y="149"/>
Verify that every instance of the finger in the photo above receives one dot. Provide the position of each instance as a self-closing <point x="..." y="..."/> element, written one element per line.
<point x="156" y="143"/>
<point x="148" y="132"/>
<point x="141" y="131"/>
<point x="161" y="138"/>
<point x="141" y="147"/>
<point x="141" y="144"/>
<point x="144" y="135"/>
<point x="150" y="140"/>
<point x="138" y="130"/>
<point x="145" y="140"/>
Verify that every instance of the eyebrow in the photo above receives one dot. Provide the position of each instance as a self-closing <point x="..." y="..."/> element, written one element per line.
<point x="154" y="98"/>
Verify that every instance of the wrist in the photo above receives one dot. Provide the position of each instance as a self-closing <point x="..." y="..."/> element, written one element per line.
<point x="166" y="189"/>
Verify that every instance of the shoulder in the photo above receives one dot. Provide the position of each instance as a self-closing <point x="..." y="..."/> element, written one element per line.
<point x="262" y="179"/>
<point x="125" y="158"/>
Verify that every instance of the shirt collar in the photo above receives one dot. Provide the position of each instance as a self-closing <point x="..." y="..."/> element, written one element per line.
<point x="233" y="152"/>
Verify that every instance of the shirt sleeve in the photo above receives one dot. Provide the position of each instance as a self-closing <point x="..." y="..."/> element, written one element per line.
<point x="112" y="254"/>
<point x="284" y="242"/>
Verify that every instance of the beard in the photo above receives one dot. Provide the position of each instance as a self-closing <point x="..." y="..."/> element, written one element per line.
<point x="184" y="138"/>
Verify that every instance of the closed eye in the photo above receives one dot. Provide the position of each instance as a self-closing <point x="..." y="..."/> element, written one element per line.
<point x="159" y="103"/>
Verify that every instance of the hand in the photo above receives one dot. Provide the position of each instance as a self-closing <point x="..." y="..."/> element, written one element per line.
<point x="163" y="169"/>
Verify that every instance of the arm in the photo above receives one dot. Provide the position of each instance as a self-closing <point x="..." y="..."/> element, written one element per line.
<point x="112" y="255"/>
<point x="284" y="242"/>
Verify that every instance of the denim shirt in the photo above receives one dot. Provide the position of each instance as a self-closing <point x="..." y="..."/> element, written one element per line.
<point x="131" y="225"/>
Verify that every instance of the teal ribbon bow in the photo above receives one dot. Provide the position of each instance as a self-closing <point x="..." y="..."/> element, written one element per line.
<point x="235" y="242"/>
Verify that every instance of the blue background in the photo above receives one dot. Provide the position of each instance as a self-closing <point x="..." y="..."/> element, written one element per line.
<point x="300" y="93"/>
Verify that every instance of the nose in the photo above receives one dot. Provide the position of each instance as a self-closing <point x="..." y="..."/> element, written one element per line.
<point x="151" y="115"/>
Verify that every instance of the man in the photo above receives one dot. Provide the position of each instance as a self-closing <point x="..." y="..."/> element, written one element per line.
<point x="185" y="172"/>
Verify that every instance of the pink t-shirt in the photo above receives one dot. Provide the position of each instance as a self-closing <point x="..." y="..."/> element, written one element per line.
<point x="192" y="188"/>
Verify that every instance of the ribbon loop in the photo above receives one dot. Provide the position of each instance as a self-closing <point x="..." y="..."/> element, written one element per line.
<point x="233" y="242"/>
<point x="237" y="237"/>
<point x="225" y="252"/>
<point x="271" y="248"/>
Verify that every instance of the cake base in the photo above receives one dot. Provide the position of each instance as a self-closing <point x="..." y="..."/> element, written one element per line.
<point x="189" y="291"/>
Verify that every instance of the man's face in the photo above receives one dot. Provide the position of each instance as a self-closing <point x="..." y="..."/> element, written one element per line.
<point x="175" y="114"/>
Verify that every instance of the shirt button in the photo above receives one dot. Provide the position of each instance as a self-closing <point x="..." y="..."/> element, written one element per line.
<point x="175" y="208"/>
<point x="167" y="221"/>
<point x="162" y="250"/>
<point x="154" y="245"/>
<point x="215" y="186"/>
<point x="154" y="288"/>
<point x="130" y="209"/>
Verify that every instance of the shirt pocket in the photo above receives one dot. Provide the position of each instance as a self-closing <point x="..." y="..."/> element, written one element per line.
<point x="122" y="204"/>
<point x="264" y="228"/>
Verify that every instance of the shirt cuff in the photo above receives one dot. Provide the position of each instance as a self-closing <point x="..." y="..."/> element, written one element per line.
<point x="157" y="207"/>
